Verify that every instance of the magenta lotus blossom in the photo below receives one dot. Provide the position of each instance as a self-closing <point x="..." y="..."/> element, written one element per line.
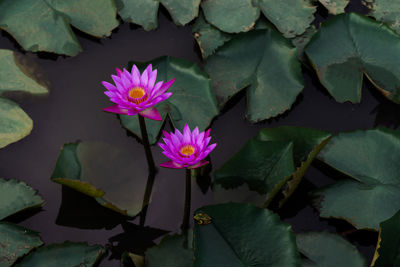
<point x="187" y="149"/>
<point x="137" y="94"/>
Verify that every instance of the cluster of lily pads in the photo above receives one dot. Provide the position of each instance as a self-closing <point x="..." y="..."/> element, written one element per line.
<point x="258" y="46"/>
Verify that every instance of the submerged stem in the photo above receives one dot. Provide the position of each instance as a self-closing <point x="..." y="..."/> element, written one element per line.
<point x="186" y="212"/>
<point x="152" y="170"/>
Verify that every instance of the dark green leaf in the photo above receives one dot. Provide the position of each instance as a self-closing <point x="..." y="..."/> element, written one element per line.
<point x="15" y="124"/>
<point x="371" y="159"/>
<point x="301" y="41"/>
<point x="243" y="235"/>
<point x="388" y="247"/>
<point x="264" y="166"/>
<point x="387" y="11"/>
<point x="114" y="176"/>
<point x="64" y="255"/>
<point x="175" y="250"/>
<point x="335" y="6"/>
<point x="193" y="100"/>
<point x="328" y="250"/>
<point x="246" y="61"/>
<point x="16" y="241"/>
<point x="350" y="45"/>
<point x="307" y="143"/>
<point x="272" y="158"/>
<point x="16" y="196"/>
<point x="291" y="17"/>
<point x="47" y="22"/>
<point x="208" y="37"/>
<point x="145" y="12"/>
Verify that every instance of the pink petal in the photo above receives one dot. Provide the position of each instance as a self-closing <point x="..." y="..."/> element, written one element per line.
<point x="126" y="82"/>
<point x="144" y="80"/>
<point x="186" y="134"/>
<point x="119" y="72"/>
<point x="116" y="109"/>
<point x="152" y="79"/>
<point x="199" y="164"/>
<point x="195" y="134"/>
<point x="164" y="87"/>
<point x="166" y="134"/>
<point x="135" y="75"/>
<point x="151" y="113"/>
<point x="161" y="98"/>
<point x="109" y="86"/>
<point x="171" y="164"/>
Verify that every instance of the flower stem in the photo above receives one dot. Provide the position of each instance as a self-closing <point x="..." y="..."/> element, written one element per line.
<point x="152" y="170"/>
<point x="186" y="213"/>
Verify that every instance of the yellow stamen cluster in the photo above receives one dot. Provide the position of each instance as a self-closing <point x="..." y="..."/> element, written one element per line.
<point x="137" y="94"/>
<point x="187" y="150"/>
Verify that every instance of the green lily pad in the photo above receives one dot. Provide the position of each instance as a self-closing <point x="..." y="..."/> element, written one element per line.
<point x="335" y="6"/>
<point x="350" y="45"/>
<point x="271" y="159"/>
<point x="371" y="159"/>
<point x="301" y="41"/>
<point x="307" y="143"/>
<point x="291" y="17"/>
<point x="16" y="196"/>
<point x="222" y="240"/>
<point x="15" y="124"/>
<point x="328" y="250"/>
<point x="245" y="61"/>
<point x="85" y="167"/>
<point x="47" y="22"/>
<point x="386" y="11"/>
<point x="193" y="100"/>
<point x="66" y="254"/>
<point x="175" y="250"/>
<point x="388" y="247"/>
<point x="16" y="241"/>
<point x="145" y="12"/>
<point x="208" y="37"/>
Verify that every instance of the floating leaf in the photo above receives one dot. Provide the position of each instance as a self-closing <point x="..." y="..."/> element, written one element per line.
<point x="301" y="41"/>
<point x="145" y="12"/>
<point x="16" y="241"/>
<point x="15" y="124"/>
<point x="328" y="250"/>
<point x="12" y="76"/>
<point x="246" y="61"/>
<point x="66" y="254"/>
<point x="335" y="6"/>
<point x="272" y="158"/>
<point x="16" y="196"/>
<point x="85" y="167"/>
<point x="224" y="241"/>
<point x="47" y="22"/>
<point x="193" y="100"/>
<point x="291" y="17"/>
<point x="371" y="159"/>
<point x="307" y="143"/>
<point x="387" y="249"/>
<point x="175" y="250"/>
<point x="350" y="45"/>
<point x="208" y="37"/>
<point x="387" y="11"/>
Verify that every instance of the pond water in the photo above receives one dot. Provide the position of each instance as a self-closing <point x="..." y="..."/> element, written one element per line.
<point x="72" y="111"/>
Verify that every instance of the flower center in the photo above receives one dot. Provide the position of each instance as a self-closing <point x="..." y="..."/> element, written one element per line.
<point x="187" y="150"/>
<point x="136" y="93"/>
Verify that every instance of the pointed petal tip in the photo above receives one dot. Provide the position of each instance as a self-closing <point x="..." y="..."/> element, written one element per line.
<point x="171" y="164"/>
<point x="151" y="113"/>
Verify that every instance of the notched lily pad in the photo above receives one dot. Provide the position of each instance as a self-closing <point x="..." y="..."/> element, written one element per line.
<point x="16" y="196"/>
<point x="66" y="254"/>
<point x="15" y="242"/>
<point x="245" y="61"/>
<point x="112" y="175"/>
<point x="265" y="241"/>
<point x="193" y="100"/>
<point x="47" y="22"/>
<point x="350" y="45"/>
<point x="271" y="159"/>
<point x="372" y="194"/>
<point x="328" y="250"/>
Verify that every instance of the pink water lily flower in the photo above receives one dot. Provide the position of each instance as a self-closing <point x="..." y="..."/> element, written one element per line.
<point x="137" y="94"/>
<point x="187" y="149"/>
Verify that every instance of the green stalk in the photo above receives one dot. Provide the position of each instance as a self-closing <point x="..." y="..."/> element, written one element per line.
<point x="186" y="212"/>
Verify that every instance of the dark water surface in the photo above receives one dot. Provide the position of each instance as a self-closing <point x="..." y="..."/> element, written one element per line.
<point x="72" y="111"/>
